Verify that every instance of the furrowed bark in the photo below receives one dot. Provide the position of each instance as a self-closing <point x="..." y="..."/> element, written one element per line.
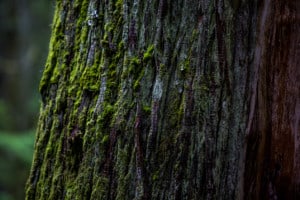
<point x="169" y="100"/>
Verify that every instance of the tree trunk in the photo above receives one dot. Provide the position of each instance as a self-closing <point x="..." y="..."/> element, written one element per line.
<point x="170" y="100"/>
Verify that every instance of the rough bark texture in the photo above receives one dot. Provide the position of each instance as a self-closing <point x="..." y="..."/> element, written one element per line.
<point x="170" y="100"/>
<point x="272" y="164"/>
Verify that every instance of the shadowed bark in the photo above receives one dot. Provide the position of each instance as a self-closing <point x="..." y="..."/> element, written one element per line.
<point x="272" y="164"/>
<point x="169" y="100"/>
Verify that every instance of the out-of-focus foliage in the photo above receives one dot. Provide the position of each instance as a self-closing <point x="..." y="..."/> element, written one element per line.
<point x="20" y="145"/>
<point x="24" y="37"/>
<point x="16" y="153"/>
<point x="5" y="118"/>
<point x="25" y="28"/>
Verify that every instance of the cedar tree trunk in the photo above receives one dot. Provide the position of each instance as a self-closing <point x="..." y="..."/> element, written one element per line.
<point x="161" y="99"/>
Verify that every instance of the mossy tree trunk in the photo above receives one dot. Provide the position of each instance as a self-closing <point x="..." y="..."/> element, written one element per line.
<point x="169" y="100"/>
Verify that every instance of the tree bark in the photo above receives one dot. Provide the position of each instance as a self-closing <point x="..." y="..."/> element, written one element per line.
<point x="272" y="164"/>
<point x="170" y="100"/>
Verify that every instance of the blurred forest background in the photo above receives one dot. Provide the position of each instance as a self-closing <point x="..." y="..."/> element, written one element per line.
<point x="25" y="27"/>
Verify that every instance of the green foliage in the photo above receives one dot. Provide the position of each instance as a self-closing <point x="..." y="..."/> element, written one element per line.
<point x="19" y="145"/>
<point x="5" y="196"/>
<point x="16" y="151"/>
<point x="4" y="116"/>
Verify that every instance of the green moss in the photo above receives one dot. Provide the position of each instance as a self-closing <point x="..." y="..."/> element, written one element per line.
<point x="149" y="53"/>
<point x="162" y="69"/>
<point x="83" y="33"/>
<point x="100" y="189"/>
<point x="185" y="68"/>
<point x="123" y="175"/>
<point x="204" y="88"/>
<point x="108" y="27"/>
<point x="134" y="70"/>
<point x="90" y="79"/>
<point x="118" y="13"/>
<point x="135" y="62"/>
<point x="121" y="46"/>
<point x="56" y="43"/>
<point x="136" y="85"/>
<point x="155" y="176"/>
<point x="180" y="112"/>
<point x="119" y="4"/>
<point x="137" y="82"/>
<point x="112" y="81"/>
<point x="195" y="35"/>
<point x="108" y="111"/>
<point x="105" y="139"/>
<point x="55" y="75"/>
<point x="105" y="117"/>
<point x="105" y="42"/>
<point x="146" y="109"/>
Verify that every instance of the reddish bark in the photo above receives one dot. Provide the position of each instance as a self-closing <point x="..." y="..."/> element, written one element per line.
<point x="275" y="131"/>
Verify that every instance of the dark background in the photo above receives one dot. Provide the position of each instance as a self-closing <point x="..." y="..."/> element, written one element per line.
<point x="25" y="27"/>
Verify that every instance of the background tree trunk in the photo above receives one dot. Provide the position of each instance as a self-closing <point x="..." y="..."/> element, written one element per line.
<point x="170" y="100"/>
